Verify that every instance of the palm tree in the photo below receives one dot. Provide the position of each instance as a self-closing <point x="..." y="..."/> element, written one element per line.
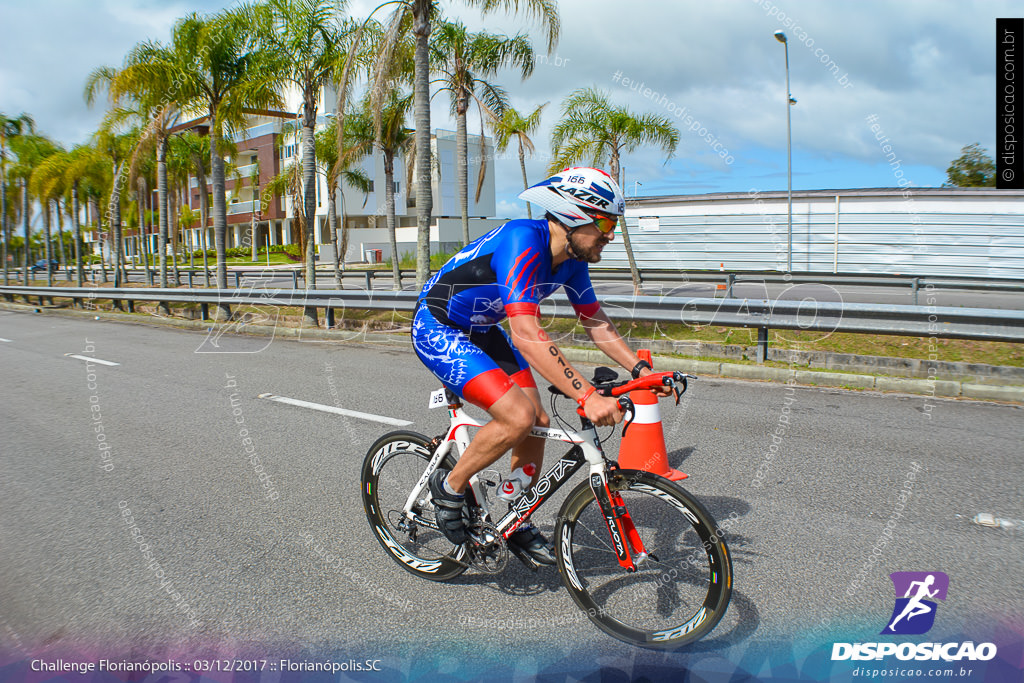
<point x="302" y="37"/>
<point x="10" y="127"/>
<point x="196" y="149"/>
<point x="153" y="90"/>
<point x="81" y="163"/>
<point x="89" y="168"/>
<point x="394" y="139"/>
<point x="31" y="150"/>
<point x="25" y="149"/>
<point x="461" y="58"/>
<point x="116" y="147"/>
<point x="422" y="13"/>
<point x="218" y="69"/>
<point x="46" y="183"/>
<point x="513" y="124"/>
<point x="338" y="172"/>
<point x="593" y="129"/>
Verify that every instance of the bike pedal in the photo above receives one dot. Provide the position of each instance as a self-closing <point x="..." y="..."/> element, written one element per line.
<point x="525" y="558"/>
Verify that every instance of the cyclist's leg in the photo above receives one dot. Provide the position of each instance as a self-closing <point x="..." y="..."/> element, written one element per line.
<point x="496" y="343"/>
<point x="472" y="366"/>
<point x="531" y="449"/>
<point x="512" y="416"/>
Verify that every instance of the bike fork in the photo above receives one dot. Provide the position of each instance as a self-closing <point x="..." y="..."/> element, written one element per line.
<point x="625" y="538"/>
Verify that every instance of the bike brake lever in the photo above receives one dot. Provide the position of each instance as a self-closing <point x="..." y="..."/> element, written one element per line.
<point x="627" y="407"/>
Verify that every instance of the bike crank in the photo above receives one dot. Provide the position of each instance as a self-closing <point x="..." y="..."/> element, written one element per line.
<point x="486" y="549"/>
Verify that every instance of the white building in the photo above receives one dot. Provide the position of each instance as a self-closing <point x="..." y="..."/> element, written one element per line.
<point x="911" y="231"/>
<point x="365" y="215"/>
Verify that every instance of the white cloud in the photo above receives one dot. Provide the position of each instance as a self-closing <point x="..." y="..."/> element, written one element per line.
<point x="925" y="68"/>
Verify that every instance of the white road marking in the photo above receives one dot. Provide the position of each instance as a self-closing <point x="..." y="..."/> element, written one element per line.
<point x="336" y="410"/>
<point x="91" y="360"/>
<point x="4" y="340"/>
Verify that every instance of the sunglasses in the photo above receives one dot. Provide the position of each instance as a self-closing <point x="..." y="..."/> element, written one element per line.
<point x="604" y="222"/>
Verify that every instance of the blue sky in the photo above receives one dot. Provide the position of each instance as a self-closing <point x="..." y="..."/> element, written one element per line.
<point x="925" y="70"/>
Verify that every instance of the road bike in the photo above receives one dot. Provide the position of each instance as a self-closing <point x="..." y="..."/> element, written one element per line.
<point x="641" y="556"/>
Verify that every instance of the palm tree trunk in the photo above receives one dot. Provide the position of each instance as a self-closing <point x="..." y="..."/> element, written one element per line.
<point x="309" y="314"/>
<point x="60" y="235"/>
<point x="77" y="226"/>
<point x="115" y="227"/>
<point x="332" y="222"/>
<point x="220" y="217"/>
<point x="172" y="208"/>
<point x="252" y="222"/>
<point x="162" y="210"/>
<point x="25" y="225"/>
<point x="48" y="253"/>
<point x="204" y="217"/>
<point x="389" y="210"/>
<point x="4" y="227"/>
<point x="343" y="236"/>
<point x="616" y="173"/>
<point x="522" y="164"/>
<point x="462" y="165"/>
<point x="424" y="199"/>
<point x="140" y="196"/>
<point x="94" y="209"/>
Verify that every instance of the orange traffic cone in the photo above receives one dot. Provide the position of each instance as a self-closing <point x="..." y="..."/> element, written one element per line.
<point x="643" y="446"/>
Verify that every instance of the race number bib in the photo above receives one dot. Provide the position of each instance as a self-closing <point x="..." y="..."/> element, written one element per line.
<point x="437" y="399"/>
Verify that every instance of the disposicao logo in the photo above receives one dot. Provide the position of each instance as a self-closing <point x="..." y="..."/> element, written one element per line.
<point x="916" y="593"/>
<point x="914" y="614"/>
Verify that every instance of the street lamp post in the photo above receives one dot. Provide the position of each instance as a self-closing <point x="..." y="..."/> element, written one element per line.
<point x="781" y="37"/>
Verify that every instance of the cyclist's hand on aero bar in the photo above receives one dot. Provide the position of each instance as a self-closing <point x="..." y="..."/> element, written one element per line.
<point x="658" y="391"/>
<point x="603" y="411"/>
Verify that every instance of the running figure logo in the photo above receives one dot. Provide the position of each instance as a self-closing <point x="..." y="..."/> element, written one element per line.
<point x="914" y="612"/>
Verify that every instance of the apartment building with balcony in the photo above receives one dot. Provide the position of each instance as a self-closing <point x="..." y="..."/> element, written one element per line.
<point x="271" y="143"/>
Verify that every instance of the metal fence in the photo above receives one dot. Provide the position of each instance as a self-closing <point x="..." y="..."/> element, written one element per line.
<point x="822" y="317"/>
<point x="193" y="277"/>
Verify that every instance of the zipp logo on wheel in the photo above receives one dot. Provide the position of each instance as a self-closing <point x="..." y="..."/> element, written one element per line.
<point x="915" y="608"/>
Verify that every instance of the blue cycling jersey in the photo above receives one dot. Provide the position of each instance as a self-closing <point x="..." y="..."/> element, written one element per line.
<point x="505" y="272"/>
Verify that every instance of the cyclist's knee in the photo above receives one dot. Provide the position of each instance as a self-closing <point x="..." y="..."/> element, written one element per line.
<point x="542" y="419"/>
<point x="518" y="417"/>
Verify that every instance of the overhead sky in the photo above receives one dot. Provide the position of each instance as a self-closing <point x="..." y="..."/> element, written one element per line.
<point x="923" y="71"/>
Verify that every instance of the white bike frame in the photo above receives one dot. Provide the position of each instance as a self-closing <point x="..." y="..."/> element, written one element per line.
<point x="457" y="436"/>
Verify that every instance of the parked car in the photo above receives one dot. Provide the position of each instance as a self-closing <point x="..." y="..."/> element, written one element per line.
<point x="41" y="265"/>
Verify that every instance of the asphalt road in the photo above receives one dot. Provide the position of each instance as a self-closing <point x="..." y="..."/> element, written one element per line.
<point x="254" y="570"/>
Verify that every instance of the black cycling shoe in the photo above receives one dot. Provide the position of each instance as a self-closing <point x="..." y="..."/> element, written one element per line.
<point x="531" y="542"/>
<point x="449" y="509"/>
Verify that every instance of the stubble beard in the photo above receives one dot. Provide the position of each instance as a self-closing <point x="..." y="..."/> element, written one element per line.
<point x="589" y="255"/>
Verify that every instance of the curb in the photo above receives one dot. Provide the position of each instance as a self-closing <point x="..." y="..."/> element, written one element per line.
<point x="903" y="385"/>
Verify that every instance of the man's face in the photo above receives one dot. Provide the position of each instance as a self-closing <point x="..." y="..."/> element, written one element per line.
<point x="587" y="242"/>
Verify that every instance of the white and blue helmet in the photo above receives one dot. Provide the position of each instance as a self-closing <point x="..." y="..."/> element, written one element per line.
<point x="574" y="191"/>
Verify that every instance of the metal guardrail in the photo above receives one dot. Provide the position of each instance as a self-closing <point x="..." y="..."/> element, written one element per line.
<point x="915" y="283"/>
<point x="726" y="280"/>
<point x="763" y="315"/>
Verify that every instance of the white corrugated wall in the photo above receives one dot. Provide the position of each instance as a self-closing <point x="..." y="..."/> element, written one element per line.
<point x="933" y="231"/>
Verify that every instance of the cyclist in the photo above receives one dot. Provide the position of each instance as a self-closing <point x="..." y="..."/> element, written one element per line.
<point x="507" y="272"/>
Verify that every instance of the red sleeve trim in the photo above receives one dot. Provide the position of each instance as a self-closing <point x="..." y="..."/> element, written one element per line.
<point x="587" y="311"/>
<point x="522" y="308"/>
